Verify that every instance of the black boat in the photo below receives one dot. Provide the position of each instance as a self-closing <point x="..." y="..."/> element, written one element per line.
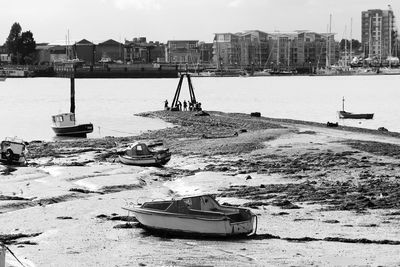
<point x="65" y="125"/>
<point x="349" y="115"/>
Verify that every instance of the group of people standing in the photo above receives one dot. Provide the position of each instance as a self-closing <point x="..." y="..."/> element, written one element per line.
<point x="186" y="105"/>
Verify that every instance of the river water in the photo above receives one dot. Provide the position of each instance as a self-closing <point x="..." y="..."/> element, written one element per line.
<point x="110" y="104"/>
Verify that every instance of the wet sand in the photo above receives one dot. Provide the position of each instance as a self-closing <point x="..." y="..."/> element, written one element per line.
<point x="323" y="196"/>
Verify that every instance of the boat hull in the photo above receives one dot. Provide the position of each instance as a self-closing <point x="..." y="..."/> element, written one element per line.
<point x="151" y="160"/>
<point x="80" y="130"/>
<point x="349" y="115"/>
<point x="192" y="224"/>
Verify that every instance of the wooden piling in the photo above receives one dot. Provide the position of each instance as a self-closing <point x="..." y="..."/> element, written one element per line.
<point x="72" y="108"/>
<point x="2" y="255"/>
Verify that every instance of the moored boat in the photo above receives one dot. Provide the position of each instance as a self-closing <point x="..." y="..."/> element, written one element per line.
<point x="349" y="115"/>
<point x="197" y="215"/>
<point x="64" y="124"/>
<point x="142" y="155"/>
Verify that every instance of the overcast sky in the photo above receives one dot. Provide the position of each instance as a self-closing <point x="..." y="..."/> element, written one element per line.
<point x="163" y="20"/>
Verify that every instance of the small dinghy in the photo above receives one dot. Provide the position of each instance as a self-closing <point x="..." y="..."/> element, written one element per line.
<point x="142" y="155"/>
<point x="197" y="215"/>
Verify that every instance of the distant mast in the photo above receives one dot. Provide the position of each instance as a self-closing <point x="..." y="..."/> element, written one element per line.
<point x="351" y="39"/>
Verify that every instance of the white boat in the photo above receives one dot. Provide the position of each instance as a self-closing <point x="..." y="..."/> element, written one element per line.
<point x="262" y="73"/>
<point x="15" y="72"/>
<point x="197" y="215"/>
<point x="64" y="124"/>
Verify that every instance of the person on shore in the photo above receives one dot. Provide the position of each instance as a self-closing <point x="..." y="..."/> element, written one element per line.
<point x="166" y="105"/>
<point x="185" y="105"/>
<point x="179" y="105"/>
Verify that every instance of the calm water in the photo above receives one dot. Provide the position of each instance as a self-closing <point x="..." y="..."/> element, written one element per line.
<point x="27" y="104"/>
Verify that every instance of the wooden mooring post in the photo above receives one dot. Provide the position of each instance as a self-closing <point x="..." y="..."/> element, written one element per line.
<point x="72" y="108"/>
<point x="2" y="255"/>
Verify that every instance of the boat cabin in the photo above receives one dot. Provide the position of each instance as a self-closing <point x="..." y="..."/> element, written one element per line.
<point x="203" y="203"/>
<point x="64" y="120"/>
<point x="138" y="149"/>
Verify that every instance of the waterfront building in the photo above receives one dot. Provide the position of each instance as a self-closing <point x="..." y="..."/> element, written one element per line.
<point x="182" y="52"/>
<point x="85" y="50"/>
<point x="276" y="50"/>
<point x="4" y="56"/>
<point x="54" y="53"/>
<point x="316" y="49"/>
<point x="255" y="47"/>
<point x="378" y="33"/>
<point x="109" y="50"/>
<point x="206" y="53"/>
<point x="227" y="50"/>
<point x="140" y="51"/>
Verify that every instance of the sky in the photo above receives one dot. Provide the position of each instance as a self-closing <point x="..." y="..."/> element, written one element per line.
<point x="163" y="20"/>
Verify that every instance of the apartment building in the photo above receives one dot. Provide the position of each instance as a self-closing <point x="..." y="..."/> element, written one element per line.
<point x="378" y="33"/>
<point x="257" y="49"/>
<point x="182" y="52"/>
<point x="227" y="50"/>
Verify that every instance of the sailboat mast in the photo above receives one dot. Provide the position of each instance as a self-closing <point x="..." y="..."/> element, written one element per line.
<point x="351" y="39"/>
<point x="329" y="38"/>
<point x="277" y="51"/>
<point x="345" y="46"/>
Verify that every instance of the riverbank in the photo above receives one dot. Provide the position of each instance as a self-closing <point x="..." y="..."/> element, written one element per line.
<point x="324" y="196"/>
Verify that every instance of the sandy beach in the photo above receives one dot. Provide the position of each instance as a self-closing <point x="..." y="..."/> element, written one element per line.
<point x="323" y="196"/>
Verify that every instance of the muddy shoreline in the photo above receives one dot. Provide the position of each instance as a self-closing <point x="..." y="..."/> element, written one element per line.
<point x="338" y="185"/>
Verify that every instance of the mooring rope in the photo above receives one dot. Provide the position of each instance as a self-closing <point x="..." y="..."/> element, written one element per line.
<point x="112" y="130"/>
<point x="12" y="253"/>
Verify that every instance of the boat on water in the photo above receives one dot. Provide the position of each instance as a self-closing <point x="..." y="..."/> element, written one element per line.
<point x="13" y="151"/>
<point x="196" y="215"/>
<point x="141" y="154"/>
<point x="64" y="124"/>
<point x="15" y="72"/>
<point x="349" y="115"/>
<point x="264" y="72"/>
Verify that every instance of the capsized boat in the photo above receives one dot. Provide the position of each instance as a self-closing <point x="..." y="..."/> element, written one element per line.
<point x="197" y="215"/>
<point x="141" y="154"/>
<point x="64" y="124"/>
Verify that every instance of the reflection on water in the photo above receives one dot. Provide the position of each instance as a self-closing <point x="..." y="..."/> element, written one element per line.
<point x="27" y="104"/>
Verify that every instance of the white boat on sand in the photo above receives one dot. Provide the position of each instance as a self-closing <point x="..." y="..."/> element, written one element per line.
<point x="196" y="215"/>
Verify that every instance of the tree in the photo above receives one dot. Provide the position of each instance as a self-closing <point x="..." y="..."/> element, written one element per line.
<point x="21" y="46"/>
<point x="12" y="41"/>
<point x="355" y="44"/>
<point x="27" y="47"/>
